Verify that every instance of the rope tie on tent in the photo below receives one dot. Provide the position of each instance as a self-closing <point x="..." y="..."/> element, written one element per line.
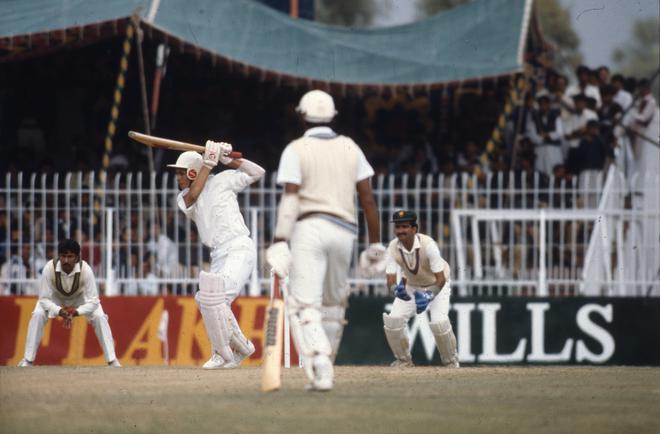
<point x="117" y="96"/>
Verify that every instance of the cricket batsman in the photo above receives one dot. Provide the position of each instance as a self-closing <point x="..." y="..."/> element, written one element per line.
<point x="425" y="285"/>
<point x="68" y="289"/>
<point x="210" y="201"/>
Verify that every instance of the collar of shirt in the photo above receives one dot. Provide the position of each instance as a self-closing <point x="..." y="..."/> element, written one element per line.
<point x="416" y="245"/>
<point x="76" y="269"/>
<point x="320" y="132"/>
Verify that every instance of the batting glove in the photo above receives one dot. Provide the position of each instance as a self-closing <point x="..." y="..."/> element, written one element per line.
<point x="211" y="154"/>
<point x="422" y="300"/>
<point x="278" y="257"/>
<point x="375" y="252"/>
<point x="400" y="291"/>
<point x="225" y="150"/>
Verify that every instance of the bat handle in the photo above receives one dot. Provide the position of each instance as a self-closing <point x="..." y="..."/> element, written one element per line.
<point x="235" y="154"/>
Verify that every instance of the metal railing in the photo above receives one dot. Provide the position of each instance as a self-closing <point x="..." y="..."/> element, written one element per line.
<point x="137" y="242"/>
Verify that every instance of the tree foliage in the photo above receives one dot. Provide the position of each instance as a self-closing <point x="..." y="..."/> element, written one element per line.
<point x="554" y="19"/>
<point x="639" y="57"/>
<point x="432" y="7"/>
<point x="353" y="13"/>
<point x="557" y="28"/>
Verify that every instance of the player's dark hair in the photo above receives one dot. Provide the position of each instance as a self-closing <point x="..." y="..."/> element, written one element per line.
<point x="68" y="245"/>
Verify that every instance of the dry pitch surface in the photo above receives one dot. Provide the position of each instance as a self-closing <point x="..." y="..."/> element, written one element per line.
<point x="365" y="400"/>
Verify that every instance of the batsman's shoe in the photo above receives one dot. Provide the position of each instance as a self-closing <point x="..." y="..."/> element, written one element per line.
<point x="215" y="362"/>
<point x="402" y="363"/>
<point x="114" y="364"/>
<point x="24" y="363"/>
<point x="239" y="357"/>
<point x="323" y="375"/>
<point x="453" y="364"/>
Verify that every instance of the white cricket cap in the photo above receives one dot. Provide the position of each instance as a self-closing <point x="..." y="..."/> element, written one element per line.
<point x="189" y="160"/>
<point x="317" y="106"/>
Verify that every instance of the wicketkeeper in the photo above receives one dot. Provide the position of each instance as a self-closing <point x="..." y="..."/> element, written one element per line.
<point x="210" y="201"/>
<point x="68" y="289"/>
<point x="425" y="285"/>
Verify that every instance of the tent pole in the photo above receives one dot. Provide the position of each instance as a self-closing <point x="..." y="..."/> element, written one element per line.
<point x="139" y="34"/>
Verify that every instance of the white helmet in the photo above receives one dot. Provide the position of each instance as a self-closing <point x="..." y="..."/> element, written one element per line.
<point x="191" y="161"/>
<point x="317" y="106"/>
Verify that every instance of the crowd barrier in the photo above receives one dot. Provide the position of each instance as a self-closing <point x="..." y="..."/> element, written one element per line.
<point x="512" y="233"/>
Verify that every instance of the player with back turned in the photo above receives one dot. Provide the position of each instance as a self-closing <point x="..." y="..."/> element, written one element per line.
<point x="425" y="285"/>
<point x="315" y="232"/>
<point x="210" y="201"/>
<point x="68" y="289"/>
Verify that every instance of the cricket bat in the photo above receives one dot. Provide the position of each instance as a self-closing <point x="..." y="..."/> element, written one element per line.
<point x="271" y="378"/>
<point x="161" y="142"/>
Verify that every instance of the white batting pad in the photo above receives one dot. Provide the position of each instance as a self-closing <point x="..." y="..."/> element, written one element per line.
<point x="211" y="299"/>
<point x="333" y="324"/>
<point x="238" y="342"/>
<point x="397" y="336"/>
<point x="446" y="342"/>
<point x="99" y="321"/>
<point x="308" y="334"/>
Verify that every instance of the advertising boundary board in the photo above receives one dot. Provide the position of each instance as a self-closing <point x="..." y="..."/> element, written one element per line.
<point x="521" y="330"/>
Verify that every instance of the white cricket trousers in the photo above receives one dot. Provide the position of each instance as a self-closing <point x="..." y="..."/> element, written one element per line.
<point x="321" y="257"/>
<point x="98" y="319"/>
<point x="438" y="307"/>
<point x="234" y="262"/>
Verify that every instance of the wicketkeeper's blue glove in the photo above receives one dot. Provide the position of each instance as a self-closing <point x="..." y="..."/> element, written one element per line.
<point x="400" y="291"/>
<point x="422" y="300"/>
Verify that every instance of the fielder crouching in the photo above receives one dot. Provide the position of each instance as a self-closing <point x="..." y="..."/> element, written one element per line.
<point x="68" y="289"/>
<point x="210" y="201"/>
<point x="425" y="285"/>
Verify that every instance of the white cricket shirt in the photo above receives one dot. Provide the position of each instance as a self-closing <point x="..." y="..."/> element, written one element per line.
<point x="419" y="264"/>
<point x="86" y="298"/>
<point x="216" y="212"/>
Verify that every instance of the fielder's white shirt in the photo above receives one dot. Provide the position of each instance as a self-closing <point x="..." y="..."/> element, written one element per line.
<point x="216" y="212"/>
<point x="326" y="166"/>
<point x="86" y="298"/>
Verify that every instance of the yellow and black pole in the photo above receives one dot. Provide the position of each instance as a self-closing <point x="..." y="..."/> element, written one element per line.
<point x="117" y="96"/>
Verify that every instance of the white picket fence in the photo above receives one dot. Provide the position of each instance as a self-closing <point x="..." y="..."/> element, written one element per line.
<point x="503" y="234"/>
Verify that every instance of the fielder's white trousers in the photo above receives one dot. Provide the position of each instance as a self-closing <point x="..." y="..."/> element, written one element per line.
<point x="98" y="319"/>
<point x="438" y="307"/>
<point x="321" y="257"/>
<point x="234" y="262"/>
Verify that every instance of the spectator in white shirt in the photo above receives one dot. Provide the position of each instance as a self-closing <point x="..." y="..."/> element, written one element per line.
<point x="583" y="87"/>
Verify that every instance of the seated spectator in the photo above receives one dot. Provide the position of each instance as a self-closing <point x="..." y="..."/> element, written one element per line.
<point x="621" y="95"/>
<point x="583" y="86"/>
<point x="603" y="73"/>
<point x="594" y="155"/>
<point x="546" y="135"/>
<point x="559" y="98"/>
<point x="575" y="130"/>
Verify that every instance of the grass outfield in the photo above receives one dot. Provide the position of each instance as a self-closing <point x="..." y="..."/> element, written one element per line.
<point x="365" y="400"/>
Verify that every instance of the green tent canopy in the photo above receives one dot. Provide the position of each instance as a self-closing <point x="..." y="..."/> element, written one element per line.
<point x="479" y="40"/>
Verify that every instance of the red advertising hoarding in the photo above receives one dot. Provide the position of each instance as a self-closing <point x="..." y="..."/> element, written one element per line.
<point x="146" y="330"/>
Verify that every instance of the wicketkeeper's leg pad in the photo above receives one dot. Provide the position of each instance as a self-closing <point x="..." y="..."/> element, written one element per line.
<point x="333" y="323"/>
<point x="396" y="334"/>
<point x="446" y="342"/>
<point x="99" y="321"/>
<point x="211" y="299"/>
<point x="308" y="334"/>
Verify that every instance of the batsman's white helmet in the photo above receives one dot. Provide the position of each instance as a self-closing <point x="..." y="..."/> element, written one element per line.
<point x="317" y="106"/>
<point x="191" y="161"/>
